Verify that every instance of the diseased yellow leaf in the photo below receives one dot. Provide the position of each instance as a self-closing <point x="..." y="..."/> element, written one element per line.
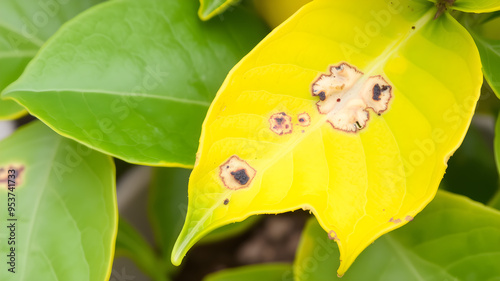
<point x="348" y="110"/>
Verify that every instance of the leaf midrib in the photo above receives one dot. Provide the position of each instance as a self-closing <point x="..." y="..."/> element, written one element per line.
<point x="37" y="204"/>
<point x="114" y="93"/>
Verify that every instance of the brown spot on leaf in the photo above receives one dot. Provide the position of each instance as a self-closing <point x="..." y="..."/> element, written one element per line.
<point x="345" y="104"/>
<point x="304" y="119"/>
<point x="16" y="172"/>
<point x="395" y="220"/>
<point x="332" y="235"/>
<point x="236" y="173"/>
<point x="408" y="218"/>
<point x="281" y="123"/>
<point x="226" y="201"/>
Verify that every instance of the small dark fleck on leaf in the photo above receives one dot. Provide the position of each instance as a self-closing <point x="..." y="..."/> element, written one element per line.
<point x="376" y="92"/>
<point x="227" y="167"/>
<point x="322" y="96"/>
<point x="241" y="176"/>
<point x="338" y="100"/>
<point x="301" y="120"/>
<point x="283" y="113"/>
<point x="413" y="27"/>
<point x="226" y="201"/>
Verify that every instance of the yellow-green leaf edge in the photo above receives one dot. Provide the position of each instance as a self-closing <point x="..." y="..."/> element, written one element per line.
<point x="204" y="13"/>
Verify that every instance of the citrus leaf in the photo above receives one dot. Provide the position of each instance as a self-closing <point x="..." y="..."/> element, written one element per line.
<point x="359" y="134"/>
<point x="24" y="26"/>
<point x="454" y="238"/>
<point x="484" y="30"/>
<point x="210" y="8"/>
<point x="134" y="79"/>
<point x="261" y="272"/>
<point x="65" y="208"/>
<point x="131" y="244"/>
<point x="476" y="6"/>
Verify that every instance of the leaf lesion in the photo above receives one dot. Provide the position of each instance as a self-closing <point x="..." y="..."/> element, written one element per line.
<point x="345" y="96"/>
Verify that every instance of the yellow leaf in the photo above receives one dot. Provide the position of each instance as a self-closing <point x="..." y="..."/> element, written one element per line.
<point x="348" y="110"/>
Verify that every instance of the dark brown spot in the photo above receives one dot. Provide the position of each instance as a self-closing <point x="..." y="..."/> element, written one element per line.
<point x="241" y="176"/>
<point x="413" y="27"/>
<point x="338" y="100"/>
<point x="322" y="96"/>
<point x="227" y="167"/>
<point x="283" y="113"/>
<point x="376" y="92"/>
<point x="226" y="201"/>
<point x="279" y="120"/>
<point x="301" y="120"/>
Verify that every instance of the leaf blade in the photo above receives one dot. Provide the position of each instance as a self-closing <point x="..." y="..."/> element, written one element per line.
<point x="57" y="181"/>
<point x="144" y="84"/>
<point x="429" y="248"/>
<point x="24" y="27"/>
<point x="356" y="201"/>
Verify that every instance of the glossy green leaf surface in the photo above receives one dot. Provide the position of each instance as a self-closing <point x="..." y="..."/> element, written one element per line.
<point x="24" y="26"/>
<point x="264" y="272"/>
<point x="210" y="8"/>
<point x="168" y="204"/>
<point x="485" y="31"/>
<point x="454" y="238"/>
<point x="131" y="244"/>
<point x="64" y="206"/>
<point x="134" y="79"/>
<point x="302" y="123"/>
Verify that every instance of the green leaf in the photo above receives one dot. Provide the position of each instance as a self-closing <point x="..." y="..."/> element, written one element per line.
<point x="454" y="238"/>
<point x="65" y="206"/>
<point x="474" y="6"/>
<point x="351" y="116"/>
<point x="168" y="206"/>
<point x="495" y="201"/>
<point x="24" y="26"/>
<point x="484" y="30"/>
<point x="473" y="164"/>
<point x="261" y="272"/>
<point x="210" y="8"/>
<point x="134" y="79"/>
<point x="131" y="244"/>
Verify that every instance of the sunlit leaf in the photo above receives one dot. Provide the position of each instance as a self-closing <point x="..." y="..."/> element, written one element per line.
<point x="64" y="208"/>
<point x="454" y="238"/>
<point x="261" y="272"/>
<point x="24" y="26"/>
<point x="131" y="244"/>
<point x="210" y="8"/>
<point x="484" y="29"/>
<point x="350" y="111"/>
<point x="134" y="79"/>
